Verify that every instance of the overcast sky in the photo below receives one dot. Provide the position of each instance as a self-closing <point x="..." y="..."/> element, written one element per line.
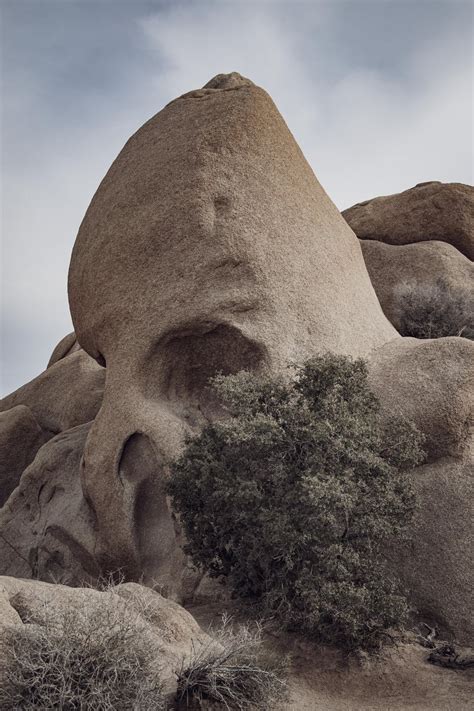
<point x="378" y="94"/>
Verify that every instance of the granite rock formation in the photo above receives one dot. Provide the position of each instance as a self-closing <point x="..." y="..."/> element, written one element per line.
<point x="432" y="383"/>
<point x="211" y="247"/>
<point x="436" y="566"/>
<point x="67" y="394"/>
<point x="417" y="240"/>
<point x="252" y="269"/>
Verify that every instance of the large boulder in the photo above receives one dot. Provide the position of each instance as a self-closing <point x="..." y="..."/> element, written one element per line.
<point x="437" y="565"/>
<point x="67" y="394"/>
<point x="431" y="382"/>
<point x="420" y="268"/>
<point x="253" y="243"/>
<point x="429" y="211"/>
<point x="20" y="438"/>
<point x="209" y="246"/>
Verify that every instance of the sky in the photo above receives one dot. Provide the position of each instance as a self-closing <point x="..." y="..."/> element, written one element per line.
<point x="379" y="95"/>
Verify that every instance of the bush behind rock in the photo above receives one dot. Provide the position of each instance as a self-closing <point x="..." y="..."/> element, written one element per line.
<point x="434" y="310"/>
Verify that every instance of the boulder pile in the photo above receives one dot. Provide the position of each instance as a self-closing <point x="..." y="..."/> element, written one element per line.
<point x="210" y="246"/>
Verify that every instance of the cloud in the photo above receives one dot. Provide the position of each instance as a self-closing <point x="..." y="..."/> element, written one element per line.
<point x="379" y="96"/>
<point x="364" y="130"/>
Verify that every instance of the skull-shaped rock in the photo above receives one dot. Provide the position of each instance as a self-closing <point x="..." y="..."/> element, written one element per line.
<point x="209" y="247"/>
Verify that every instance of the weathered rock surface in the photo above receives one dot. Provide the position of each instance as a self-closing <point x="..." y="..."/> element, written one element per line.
<point x="20" y="438"/>
<point x="420" y="266"/>
<point x="432" y="383"/>
<point x="166" y="628"/>
<point x="47" y="529"/>
<point x="209" y="246"/>
<point x="67" y="394"/>
<point x="437" y="566"/>
<point x="66" y="346"/>
<point x="255" y="244"/>
<point x="41" y="526"/>
<point x="429" y="211"/>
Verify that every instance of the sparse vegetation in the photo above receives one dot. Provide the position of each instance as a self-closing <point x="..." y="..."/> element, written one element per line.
<point x="292" y="497"/>
<point x="83" y="660"/>
<point x="232" y="672"/>
<point x="434" y="311"/>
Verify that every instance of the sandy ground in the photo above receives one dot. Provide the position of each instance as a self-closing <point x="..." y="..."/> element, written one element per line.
<point x="399" y="678"/>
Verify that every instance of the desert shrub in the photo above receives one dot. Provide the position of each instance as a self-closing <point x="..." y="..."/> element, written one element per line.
<point x="82" y="660"/>
<point x="434" y="311"/>
<point x="292" y="497"/>
<point x="232" y="671"/>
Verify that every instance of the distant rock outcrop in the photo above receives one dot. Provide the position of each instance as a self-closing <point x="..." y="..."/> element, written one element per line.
<point x="429" y="211"/>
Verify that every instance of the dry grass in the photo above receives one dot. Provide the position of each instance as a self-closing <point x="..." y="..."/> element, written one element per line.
<point x="87" y="660"/>
<point x="102" y="658"/>
<point x="231" y="672"/>
<point x="434" y="311"/>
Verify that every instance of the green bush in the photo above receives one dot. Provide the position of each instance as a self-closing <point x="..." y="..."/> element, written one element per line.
<point x="434" y="311"/>
<point x="292" y="496"/>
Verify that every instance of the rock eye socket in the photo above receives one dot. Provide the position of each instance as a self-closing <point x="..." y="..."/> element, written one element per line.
<point x="190" y="357"/>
